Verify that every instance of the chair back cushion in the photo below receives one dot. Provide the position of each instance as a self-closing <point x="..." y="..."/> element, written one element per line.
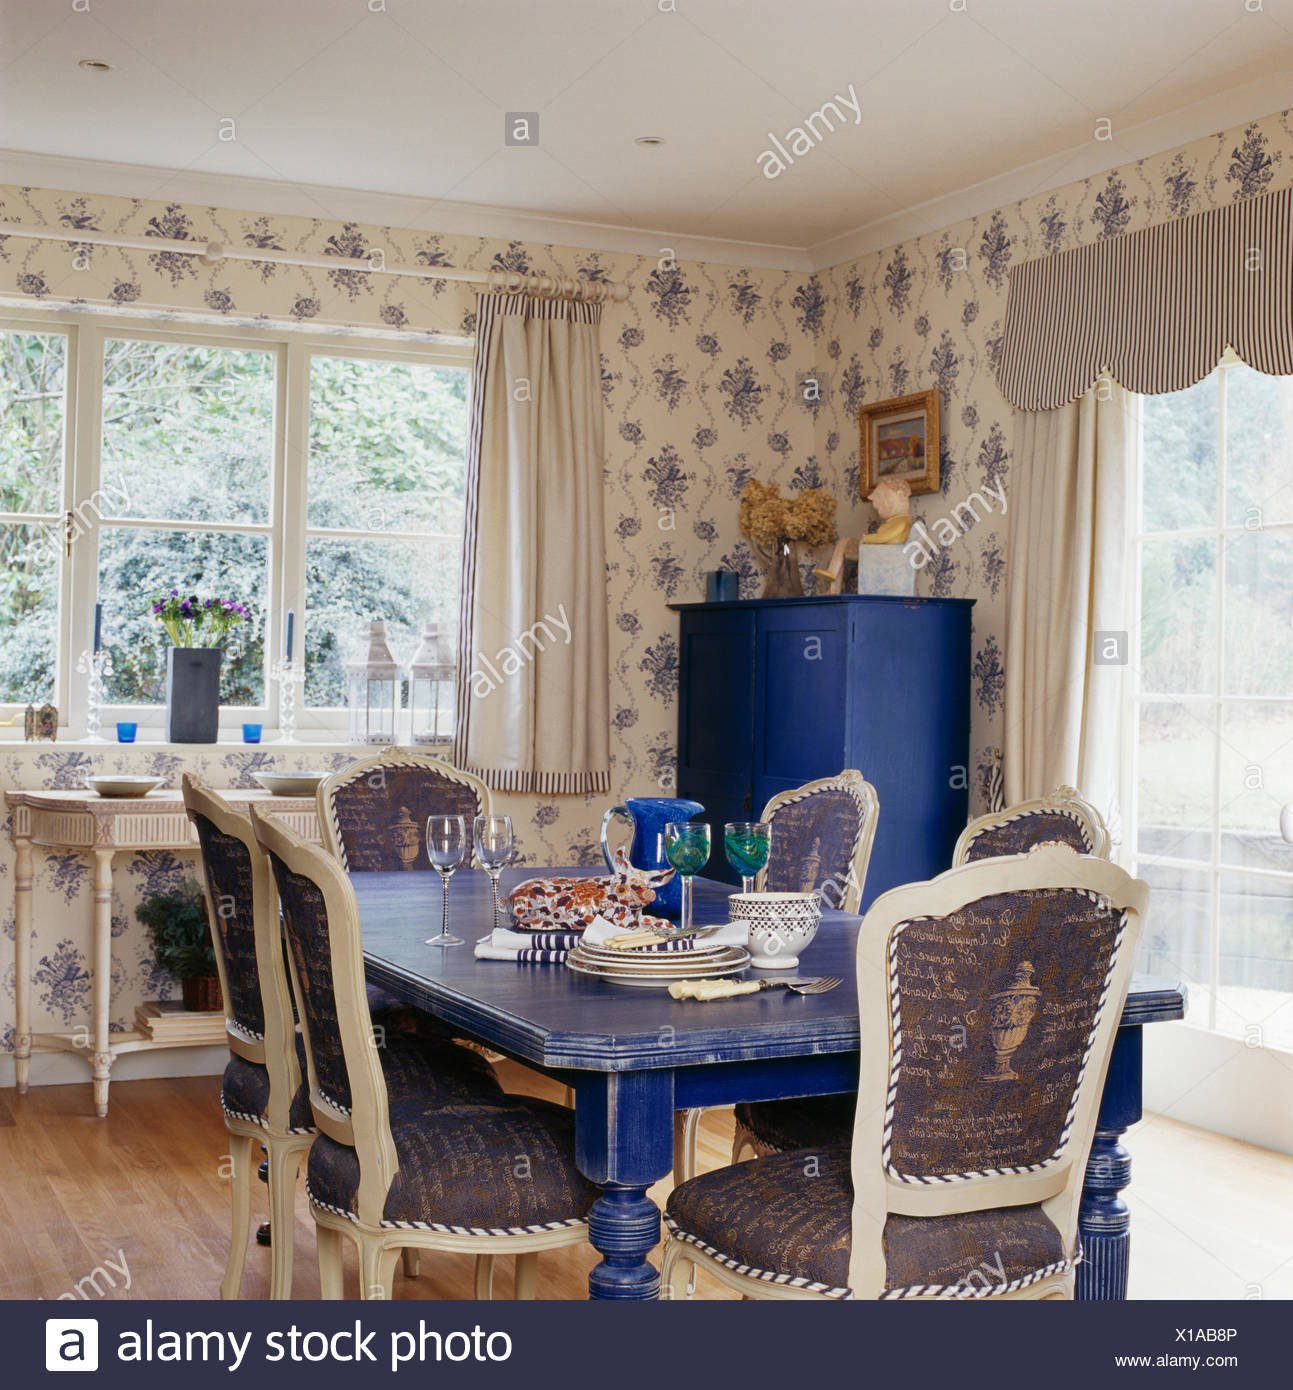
<point x="1018" y="834"/>
<point x="813" y="840"/>
<point x="305" y="923"/>
<point x="993" y="1013"/>
<point x="226" y="862"/>
<point x="380" y="816"/>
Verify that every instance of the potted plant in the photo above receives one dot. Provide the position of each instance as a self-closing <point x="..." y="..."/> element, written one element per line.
<point x="775" y="526"/>
<point x="180" y="936"/>
<point x="198" y="627"/>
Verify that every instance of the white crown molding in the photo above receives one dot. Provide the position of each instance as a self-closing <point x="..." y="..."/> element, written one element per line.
<point x="241" y="194"/>
<point x="1159" y="135"/>
<point x="1214" y="113"/>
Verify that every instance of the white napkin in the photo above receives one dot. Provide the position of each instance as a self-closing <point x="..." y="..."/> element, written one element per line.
<point x="599" y="931"/>
<point x="502" y="939"/>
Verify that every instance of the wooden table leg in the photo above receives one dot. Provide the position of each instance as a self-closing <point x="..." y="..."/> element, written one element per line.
<point x="1103" y="1217"/>
<point x="22" y="879"/>
<point x="624" y="1143"/>
<point x="102" y="978"/>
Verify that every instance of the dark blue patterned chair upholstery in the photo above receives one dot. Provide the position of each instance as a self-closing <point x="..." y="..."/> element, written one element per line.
<point x="459" y="1169"/>
<point x="815" y="838"/>
<point x="376" y="811"/>
<point x="787" y="1219"/>
<point x="226" y="863"/>
<point x="1064" y="817"/>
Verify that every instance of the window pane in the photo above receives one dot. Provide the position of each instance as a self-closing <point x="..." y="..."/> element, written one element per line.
<point x="1179" y="478"/>
<point x="136" y="566"/>
<point x="387" y="445"/>
<point x="188" y="432"/>
<point x="1259" y="448"/>
<point x="33" y="377"/>
<point x="1256" y="780"/>
<point x="1259" y="613"/>
<point x="1178" y="617"/>
<point x="1175" y="940"/>
<point x="1175" y="780"/>
<point x="29" y="561"/>
<point x="1256" y="987"/>
<point x="350" y="581"/>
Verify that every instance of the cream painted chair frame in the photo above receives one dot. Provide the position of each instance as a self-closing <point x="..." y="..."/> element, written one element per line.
<point x="864" y="795"/>
<point x="390" y="756"/>
<point x="276" y="1052"/>
<point x="686" y="1123"/>
<point x="367" y="1128"/>
<point x="1058" y="1184"/>
<point x="1066" y="801"/>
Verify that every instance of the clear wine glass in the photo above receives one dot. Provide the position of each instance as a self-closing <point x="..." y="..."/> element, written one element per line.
<point x="446" y="849"/>
<point x="494" y="845"/>
<point x="748" y="844"/>
<point x="686" y="847"/>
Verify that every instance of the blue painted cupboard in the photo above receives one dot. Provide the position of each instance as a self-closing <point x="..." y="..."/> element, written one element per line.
<point x="778" y="692"/>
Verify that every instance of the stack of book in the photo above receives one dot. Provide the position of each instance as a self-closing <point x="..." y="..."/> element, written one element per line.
<point x="167" y="1021"/>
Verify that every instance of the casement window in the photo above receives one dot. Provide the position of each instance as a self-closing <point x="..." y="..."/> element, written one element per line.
<point x="1211" y="699"/>
<point x="325" y="477"/>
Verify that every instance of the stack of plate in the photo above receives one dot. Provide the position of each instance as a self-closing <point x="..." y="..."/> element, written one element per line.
<point x="656" y="969"/>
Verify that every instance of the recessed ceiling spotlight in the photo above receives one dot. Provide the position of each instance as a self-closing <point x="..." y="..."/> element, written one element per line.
<point x="94" y="65"/>
<point x="649" y="140"/>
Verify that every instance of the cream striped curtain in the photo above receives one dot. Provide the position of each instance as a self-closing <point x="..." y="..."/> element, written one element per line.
<point x="533" y="655"/>
<point x="1155" y="310"/>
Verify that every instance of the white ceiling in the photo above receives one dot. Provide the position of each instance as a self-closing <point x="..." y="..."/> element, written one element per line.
<point x="406" y="97"/>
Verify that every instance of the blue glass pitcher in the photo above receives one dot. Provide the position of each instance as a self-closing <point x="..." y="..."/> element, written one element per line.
<point x="649" y="815"/>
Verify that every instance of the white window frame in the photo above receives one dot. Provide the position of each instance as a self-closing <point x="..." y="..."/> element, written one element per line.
<point x="287" y="528"/>
<point x="1216" y="702"/>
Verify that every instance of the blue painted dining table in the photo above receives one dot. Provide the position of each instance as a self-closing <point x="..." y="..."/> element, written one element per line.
<point x="635" y="1056"/>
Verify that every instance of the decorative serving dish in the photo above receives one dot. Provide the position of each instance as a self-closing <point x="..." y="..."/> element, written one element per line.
<point x="781" y="925"/>
<point x="290" y="783"/>
<point x="117" y="784"/>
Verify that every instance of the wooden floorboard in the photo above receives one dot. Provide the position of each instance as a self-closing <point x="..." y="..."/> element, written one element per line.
<point x="1211" y="1216"/>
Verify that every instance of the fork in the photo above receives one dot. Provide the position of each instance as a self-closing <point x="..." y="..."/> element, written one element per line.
<point x="730" y="989"/>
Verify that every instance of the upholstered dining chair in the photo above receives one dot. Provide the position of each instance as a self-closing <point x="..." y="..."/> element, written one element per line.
<point x="822" y="837"/>
<point x="772" y="1126"/>
<point x="373" y="814"/>
<point x="1063" y="816"/>
<point x="263" y="1094"/>
<point x="396" y="1172"/>
<point x="977" y="1102"/>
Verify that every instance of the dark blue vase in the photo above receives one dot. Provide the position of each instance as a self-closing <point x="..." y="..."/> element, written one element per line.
<point x="192" y="694"/>
<point x="649" y="815"/>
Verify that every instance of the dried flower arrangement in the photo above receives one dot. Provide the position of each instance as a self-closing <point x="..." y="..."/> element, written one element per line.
<point x="775" y="525"/>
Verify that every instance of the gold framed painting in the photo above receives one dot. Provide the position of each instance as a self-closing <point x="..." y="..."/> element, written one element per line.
<point x="900" y="440"/>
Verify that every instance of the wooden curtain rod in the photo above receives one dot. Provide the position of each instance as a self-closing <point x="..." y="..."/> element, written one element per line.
<point x="213" y="252"/>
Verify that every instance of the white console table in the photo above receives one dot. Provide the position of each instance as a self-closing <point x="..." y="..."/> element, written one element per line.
<point x="102" y="826"/>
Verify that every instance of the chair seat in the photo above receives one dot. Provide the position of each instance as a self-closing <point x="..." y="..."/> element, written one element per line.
<point x="395" y="1016"/>
<point x="802" y="1123"/>
<point x="787" y="1219"/>
<point x="436" y="1071"/>
<point x="505" y="1169"/>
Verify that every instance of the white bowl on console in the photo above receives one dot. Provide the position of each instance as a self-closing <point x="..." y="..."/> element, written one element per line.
<point x="781" y="925"/>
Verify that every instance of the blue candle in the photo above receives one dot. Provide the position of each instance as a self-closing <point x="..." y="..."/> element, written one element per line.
<point x="291" y="626"/>
<point x="98" y="627"/>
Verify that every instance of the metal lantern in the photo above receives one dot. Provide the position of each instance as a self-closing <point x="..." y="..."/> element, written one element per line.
<point x="432" y="684"/>
<point x="372" y="687"/>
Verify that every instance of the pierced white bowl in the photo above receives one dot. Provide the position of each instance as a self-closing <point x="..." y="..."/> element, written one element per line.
<point x="118" y="784"/>
<point x="781" y="925"/>
<point x="290" y="783"/>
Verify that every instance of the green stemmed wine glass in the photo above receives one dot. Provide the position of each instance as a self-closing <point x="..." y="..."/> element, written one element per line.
<point x="686" y="847"/>
<point x="748" y="844"/>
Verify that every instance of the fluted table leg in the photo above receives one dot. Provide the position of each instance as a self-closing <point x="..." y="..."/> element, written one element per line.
<point x="1104" y="1219"/>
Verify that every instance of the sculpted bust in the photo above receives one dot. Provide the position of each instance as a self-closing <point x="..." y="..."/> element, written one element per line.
<point x="891" y="497"/>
